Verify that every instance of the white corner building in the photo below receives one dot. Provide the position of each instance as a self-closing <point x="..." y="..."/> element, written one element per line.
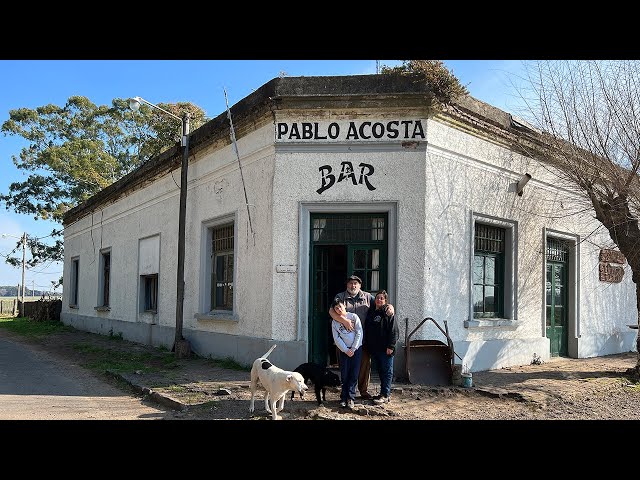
<point x="350" y="175"/>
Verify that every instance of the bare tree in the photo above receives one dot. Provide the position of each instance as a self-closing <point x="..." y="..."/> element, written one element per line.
<point x="588" y="116"/>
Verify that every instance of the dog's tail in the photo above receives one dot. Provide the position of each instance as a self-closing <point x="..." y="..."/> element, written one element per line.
<point x="270" y="350"/>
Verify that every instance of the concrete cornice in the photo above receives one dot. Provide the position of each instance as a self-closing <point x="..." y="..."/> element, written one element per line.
<point x="282" y="96"/>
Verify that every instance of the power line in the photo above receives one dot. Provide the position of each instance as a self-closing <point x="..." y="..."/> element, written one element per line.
<point x="42" y="272"/>
<point x="232" y="133"/>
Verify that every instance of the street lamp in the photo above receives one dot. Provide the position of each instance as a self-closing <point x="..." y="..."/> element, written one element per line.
<point x="23" y="240"/>
<point x="181" y="345"/>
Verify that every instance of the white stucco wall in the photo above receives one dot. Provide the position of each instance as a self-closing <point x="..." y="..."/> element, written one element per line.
<point x="219" y="192"/>
<point x="390" y="187"/>
<point x="215" y="191"/>
<point x="466" y="174"/>
<point x="432" y="188"/>
<point x="437" y="194"/>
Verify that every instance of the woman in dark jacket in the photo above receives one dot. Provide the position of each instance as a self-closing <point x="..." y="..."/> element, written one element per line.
<point x="380" y="337"/>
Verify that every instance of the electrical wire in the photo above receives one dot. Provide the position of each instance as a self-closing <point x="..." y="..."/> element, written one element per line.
<point x="235" y="147"/>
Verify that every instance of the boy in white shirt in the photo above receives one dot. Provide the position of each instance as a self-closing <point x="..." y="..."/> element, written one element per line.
<point x="349" y="343"/>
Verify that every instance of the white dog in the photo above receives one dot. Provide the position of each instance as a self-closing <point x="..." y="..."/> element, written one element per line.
<point x="276" y="382"/>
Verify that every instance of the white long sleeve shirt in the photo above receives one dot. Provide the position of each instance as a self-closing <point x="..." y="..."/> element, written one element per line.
<point x="344" y="338"/>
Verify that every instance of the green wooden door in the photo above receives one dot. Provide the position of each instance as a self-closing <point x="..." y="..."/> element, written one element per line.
<point x="556" y="299"/>
<point x="342" y="245"/>
<point x="320" y="327"/>
<point x="556" y="295"/>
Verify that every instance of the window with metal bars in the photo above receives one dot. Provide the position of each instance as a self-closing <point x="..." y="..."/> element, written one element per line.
<point x="488" y="271"/>
<point x="348" y="228"/>
<point x="222" y="267"/>
<point x="489" y="238"/>
<point x="557" y="250"/>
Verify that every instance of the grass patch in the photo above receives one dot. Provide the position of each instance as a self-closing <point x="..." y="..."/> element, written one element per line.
<point x="118" y="362"/>
<point x="102" y="359"/>
<point x="87" y="348"/>
<point x="177" y="389"/>
<point x="228" y="363"/>
<point x="210" y="404"/>
<point x="630" y="383"/>
<point x="115" y="336"/>
<point x="185" y="394"/>
<point x="29" y="328"/>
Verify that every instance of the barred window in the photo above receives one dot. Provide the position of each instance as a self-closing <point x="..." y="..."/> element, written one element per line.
<point x="488" y="271"/>
<point x="348" y="228"/>
<point x="557" y="250"/>
<point x="222" y="267"/>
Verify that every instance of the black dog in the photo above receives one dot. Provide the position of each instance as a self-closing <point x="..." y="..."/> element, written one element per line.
<point x="320" y="376"/>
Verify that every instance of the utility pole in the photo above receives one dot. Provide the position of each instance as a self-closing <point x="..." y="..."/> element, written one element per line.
<point x="181" y="345"/>
<point x="23" y="240"/>
<point x="24" y="252"/>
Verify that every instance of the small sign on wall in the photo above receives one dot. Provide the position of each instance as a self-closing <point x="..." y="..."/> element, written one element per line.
<point x="286" y="268"/>
<point x="611" y="266"/>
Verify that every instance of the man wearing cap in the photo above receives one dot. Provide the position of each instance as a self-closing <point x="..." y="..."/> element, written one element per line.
<point x="358" y="302"/>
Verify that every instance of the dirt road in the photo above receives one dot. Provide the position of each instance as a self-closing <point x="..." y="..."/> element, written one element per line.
<point x="37" y="386"/>
<point x="198" y="389"/>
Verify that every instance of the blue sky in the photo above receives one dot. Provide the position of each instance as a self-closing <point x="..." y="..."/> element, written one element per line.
<point x="33" y="83"/>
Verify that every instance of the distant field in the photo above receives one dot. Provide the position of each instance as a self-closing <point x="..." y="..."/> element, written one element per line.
<point x="26" y="298"/>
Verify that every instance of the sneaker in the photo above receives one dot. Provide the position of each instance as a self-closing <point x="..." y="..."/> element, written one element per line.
<point x="366" y="396"/>
<point x="380" y="399"/>
<point x="350" y="404"/>
<point x="343" y="404"/>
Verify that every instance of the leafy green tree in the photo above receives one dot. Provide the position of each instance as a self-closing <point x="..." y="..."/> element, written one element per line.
<point x="76" y="150"/>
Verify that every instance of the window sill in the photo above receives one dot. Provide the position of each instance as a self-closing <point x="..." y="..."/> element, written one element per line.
<point x="217" y="316"/>
<point x="483" y="323"/>
<point x="102" y="308"/>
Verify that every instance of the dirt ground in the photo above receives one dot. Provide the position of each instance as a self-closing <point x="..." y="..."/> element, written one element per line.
<point x="590" y="389"/>
<point x="568" y="389"/>
<point x="197" y="389"/>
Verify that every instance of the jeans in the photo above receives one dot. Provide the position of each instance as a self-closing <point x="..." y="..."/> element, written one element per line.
<point x="384" y="365"/>
<point x="349" y="368"/>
